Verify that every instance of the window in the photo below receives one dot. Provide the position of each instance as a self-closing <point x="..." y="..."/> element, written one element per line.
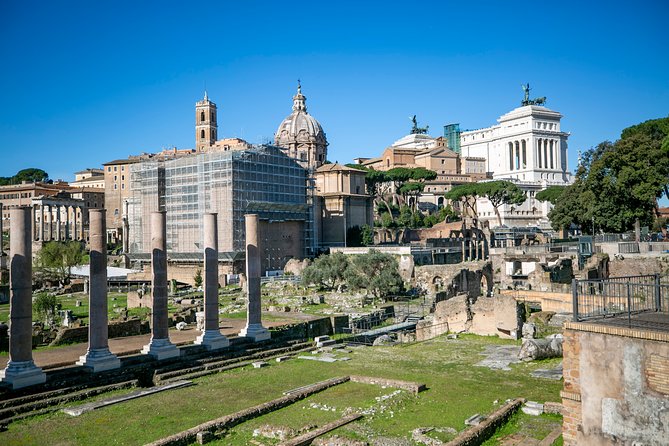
<point x="115" y="177"/>
<point x="122" y="186"/>
<point x="108" y="168"/>
<point x="114" y="168"/>
<point x="122" y="168"/>
<point x="115" y="186"/>
<point x="115" y="211"/>
<point x="202" y="134"/>
<point x="122" y="177"/>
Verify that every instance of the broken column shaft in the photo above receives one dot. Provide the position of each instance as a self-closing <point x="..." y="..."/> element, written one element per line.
<point x="98" y="358"/>
<point x="211" y="336"/>
<point x="254" y="328"/>
<point x="160" y="346"/>
<point x="21" y="371"/>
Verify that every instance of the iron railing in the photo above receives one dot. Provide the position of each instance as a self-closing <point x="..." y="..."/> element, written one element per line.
<point x="621" y="298"/>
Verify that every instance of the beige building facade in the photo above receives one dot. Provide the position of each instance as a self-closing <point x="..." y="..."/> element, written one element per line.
<point x="342" y="203"/>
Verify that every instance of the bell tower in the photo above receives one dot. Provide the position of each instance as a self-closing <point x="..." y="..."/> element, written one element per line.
<point x="206" y="129"/>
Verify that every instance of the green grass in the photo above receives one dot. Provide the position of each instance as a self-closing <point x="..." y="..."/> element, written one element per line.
<point x="536" y="427"/>
<point x="456" y="390"/>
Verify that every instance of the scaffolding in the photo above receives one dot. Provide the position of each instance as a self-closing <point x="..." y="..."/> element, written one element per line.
<point x="260" y="180"/>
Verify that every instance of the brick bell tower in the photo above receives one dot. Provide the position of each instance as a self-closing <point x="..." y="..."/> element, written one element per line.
<point x="206" y="129"/>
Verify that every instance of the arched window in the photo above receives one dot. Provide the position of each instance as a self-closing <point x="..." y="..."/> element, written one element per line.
<point x="202" y="116"/>
<point x="202" y="134"/>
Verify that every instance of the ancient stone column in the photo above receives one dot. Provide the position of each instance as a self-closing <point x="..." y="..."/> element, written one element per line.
<point x="1" y="228"/>
<point x="21" y="371"/>
<point x="81" y="230"/>
<point x="211" y="336"/>
<point x="75" y="233"/>
<point x="50" y="213"/>
<point x="254" y="328"/>
<point x="67" y="222"/>
<point x="160" y="346"/>
<point x="98" y="358"/>
<point x="41" y="223"/>
<point x="126" y="228"/>
<point x="58" y="222"/>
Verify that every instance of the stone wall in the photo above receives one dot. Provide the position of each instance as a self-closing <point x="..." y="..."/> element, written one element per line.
<point x="445" y="281"/>
<point x="184" y="273"/>
<point x="488" y="316"/>
<point x="616" y="385"/>
<point x="557" y="302"/>
<point x="304" y="330"/>
<point x="131" y="327"/>
<point x="629" y="266"/>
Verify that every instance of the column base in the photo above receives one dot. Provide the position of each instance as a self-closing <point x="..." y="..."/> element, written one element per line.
<point x="161" y="349"/>
<point x="99" y="360"/>
<point x="212" y="339"/>
<point x="22" y="374"/>
<point x="256" y="331"/>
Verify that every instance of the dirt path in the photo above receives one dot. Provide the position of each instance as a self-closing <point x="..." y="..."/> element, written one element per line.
<point x="69" y="354"/>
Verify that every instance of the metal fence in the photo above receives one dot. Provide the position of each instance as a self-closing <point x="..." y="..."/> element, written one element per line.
<point x="622" y="298"/>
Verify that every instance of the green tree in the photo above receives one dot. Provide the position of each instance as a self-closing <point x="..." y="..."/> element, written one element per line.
<point x="376" y="272"/>
<point x="55" y="260"/>
<point x="197" y="278"/>
<point x="499" y="193"/>
<point x="551" y="194"/>
<point x="367" y="235"/>
<point x="46" y="306"/>
<point x="327" y="271"/>
<point x="466" y="194"/>
<point x="619" y="183"/>
<point x="31" y="175"/>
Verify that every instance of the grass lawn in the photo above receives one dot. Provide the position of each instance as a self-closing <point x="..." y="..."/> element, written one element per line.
<point x="456" y="390"/>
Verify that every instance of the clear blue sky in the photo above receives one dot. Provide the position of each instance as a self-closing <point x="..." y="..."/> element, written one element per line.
<point x="83" y="83"/>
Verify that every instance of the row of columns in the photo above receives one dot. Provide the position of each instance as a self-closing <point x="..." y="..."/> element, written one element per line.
<point x="547" y="154"/>
<point x="21" y="370"/>
<point x="73" y="230"/>
<point x="549" y="148"/>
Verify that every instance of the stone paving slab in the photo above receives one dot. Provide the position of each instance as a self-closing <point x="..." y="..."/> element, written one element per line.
<point x="555" y="373"/>
<point x="499" y="357"/>
<point x="78" y="410"/>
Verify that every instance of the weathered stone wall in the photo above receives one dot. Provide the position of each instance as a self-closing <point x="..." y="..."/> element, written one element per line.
<point x="634" y="266"/>
<point x="131" y="327"/>
<point x="616" y="385"/>
<point x="305" y="330"/>
<point x="446" y="281"/>
<point x="184" y="273"/>
<point x="487" y="316"/>
<point x="556" y="302"/>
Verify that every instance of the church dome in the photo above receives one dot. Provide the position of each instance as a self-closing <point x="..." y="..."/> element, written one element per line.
<point x="301" y="134"/>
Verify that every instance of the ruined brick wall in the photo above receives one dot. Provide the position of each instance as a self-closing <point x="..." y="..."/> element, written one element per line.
<point x="634" y="266"/>
<point x="616" y="385"/>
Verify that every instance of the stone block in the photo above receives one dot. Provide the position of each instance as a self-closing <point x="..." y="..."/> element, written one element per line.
<point x="282" y="358"/>
<point x="533" y="408"/>
<point x="204" y="437"/>
<point x="260" y="364"/>
<point x="475" y="419"/>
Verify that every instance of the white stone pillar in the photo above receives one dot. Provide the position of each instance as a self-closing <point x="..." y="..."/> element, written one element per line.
<point x="21" y="371"/>
<point x="98" y="358"/>
<point x="58" y="222"/>
<point x="75" y="233"/>
<point x="254" y="328"/>
<point x="160" y="346"/>
<point x="67" y="222"/>
<point x="50" y="214"/>
<point x="82" y="236"/>
<point x="211" y="336"/>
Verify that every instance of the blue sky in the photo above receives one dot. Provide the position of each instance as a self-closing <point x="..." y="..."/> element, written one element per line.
<point x="83" y="83"/>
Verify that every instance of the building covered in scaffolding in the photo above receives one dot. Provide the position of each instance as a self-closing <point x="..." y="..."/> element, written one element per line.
<point x="256" y="179"/>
